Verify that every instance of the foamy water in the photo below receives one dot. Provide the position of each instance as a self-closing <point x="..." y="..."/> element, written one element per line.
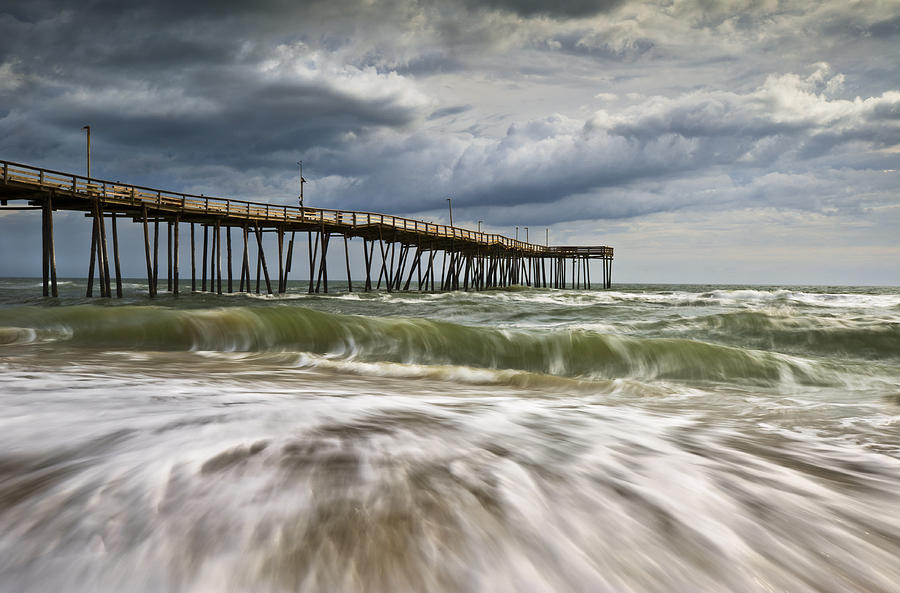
<point x="640" y="439"/>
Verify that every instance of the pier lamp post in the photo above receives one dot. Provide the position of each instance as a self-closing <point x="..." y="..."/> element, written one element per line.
<point x="479" y="225"/>
<point x="526" y="234"/>
<point x="517" y="233"/>
<point x="88" y="128"/>
<point x="450" y="206"/>
<point x="547" y="240"/>
<point x="302" y="181"/>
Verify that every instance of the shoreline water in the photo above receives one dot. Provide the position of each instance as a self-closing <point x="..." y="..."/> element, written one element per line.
<point x="643" y="438"/>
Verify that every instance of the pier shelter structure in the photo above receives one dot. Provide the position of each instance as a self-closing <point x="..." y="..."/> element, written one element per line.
<point x="399" y="253"/>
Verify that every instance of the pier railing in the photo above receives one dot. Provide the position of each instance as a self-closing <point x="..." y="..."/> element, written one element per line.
<point x="139" y="196"/>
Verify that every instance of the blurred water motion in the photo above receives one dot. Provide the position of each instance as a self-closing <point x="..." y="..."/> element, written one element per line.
<point x="651" y="439"/>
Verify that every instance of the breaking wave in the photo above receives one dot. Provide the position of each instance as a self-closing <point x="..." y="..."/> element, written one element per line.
<point x="564" y="352"/>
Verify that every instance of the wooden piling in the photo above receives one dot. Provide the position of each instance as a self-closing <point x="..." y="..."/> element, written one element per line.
<point x="228" y="259"/>
<point x="322" y="276"/>
<point x="204" y="258"/>
<point x="115" y="238"/>
<point x="45" y="250"/>
<point x="367" y="261"/>
<point x="155" y="256"/>
<point x="151" y="287"/>
<point x="218" y="256"/>
<point x="104" y="252"/>
<point x="383" y="257"/>
<point x="389" y="276"/>
<point x="49" y="247"/>
<point x="175" y="259"/>
<point x="193" y="262"/>
<point x="258" y="269"/>
<point x="347" y="258"/>
<point x="262" y="258"/>
<point x="279" y="234"/>
<point x="290" y="259"/>
<point x="90" y="277"/>
<point x="312" y="261"/>
<point x="214" y="235"/>
<point x="169" y="256"/>
<point x="245" y="262"/>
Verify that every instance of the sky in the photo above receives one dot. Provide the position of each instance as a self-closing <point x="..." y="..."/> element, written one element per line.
<point x="729" y="142"/>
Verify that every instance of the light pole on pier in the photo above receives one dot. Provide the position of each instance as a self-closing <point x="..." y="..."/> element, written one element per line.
<point x="479" y="225"/>
<point x="450" y="206"/>
<point x="548" y="237"/>
<point x="526" y="234"/>
<point x="88" y="128"/>
<point x="302" y="181"/>
<point x="517" y="233"/>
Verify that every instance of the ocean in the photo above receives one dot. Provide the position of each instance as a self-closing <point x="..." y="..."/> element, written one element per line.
<point x="639" y="439"/>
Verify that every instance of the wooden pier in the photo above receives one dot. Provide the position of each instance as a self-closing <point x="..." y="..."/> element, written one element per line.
<point x="395" y="249"/>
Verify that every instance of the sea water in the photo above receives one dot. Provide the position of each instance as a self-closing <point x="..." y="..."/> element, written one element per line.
<point x="640" y="439"/>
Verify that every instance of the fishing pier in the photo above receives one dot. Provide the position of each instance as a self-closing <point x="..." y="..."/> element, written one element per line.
<point x="397" y="251"/>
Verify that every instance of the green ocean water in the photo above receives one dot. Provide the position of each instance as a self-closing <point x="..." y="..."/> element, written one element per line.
<point x="643" y="438"/>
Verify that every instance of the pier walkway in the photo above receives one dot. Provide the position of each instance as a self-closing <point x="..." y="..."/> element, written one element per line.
<point x="470" y="259"/>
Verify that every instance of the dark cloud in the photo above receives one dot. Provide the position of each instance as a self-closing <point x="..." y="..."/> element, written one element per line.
<point x="448" y="111"/>
<point x="522" y="110"/>
<point x="558" y="9"/>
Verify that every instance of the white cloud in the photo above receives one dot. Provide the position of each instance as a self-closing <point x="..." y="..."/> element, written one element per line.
<point x="10" y="80"/>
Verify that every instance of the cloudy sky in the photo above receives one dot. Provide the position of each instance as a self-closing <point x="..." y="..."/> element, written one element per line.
<point x="734" y="141"/>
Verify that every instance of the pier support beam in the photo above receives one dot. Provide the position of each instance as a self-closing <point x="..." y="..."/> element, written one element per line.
<point x="347" y="258"/>
<point x="218" y="257"/>
<point x="175" y="259"/>
<point x="49" y="250"/>
<point x="368" y="252"/>
<point x="228" y="258"/>
<point x="115" y="238"/>
<point x="313" y="251"/>
<point x="262" y="260"/>
<point x="204" y="258"/>
<point x="245" y="262"/>
<point x="150" y="286"/>
<point x="193" y="262"/>
<point x="169" y="256"/>
<point x="155" y="256"/>
<point x="290" y="259"/>
<point x="279" y="233"/>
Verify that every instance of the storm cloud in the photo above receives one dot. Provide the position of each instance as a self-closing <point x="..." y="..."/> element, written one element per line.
<point x="571" y="115"/>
